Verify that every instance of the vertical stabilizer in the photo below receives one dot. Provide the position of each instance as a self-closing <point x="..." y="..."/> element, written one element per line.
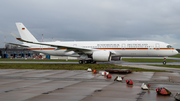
<point x="24" y="33"/>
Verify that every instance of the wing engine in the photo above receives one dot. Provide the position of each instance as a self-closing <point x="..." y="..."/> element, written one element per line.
<point x="104" y="56"/>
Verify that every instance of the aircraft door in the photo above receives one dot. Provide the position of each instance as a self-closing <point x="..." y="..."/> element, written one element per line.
<point x="41" y="47"/>
<point x="75" y="45"/>
<point x="150" y="51"/>
<point x="157" y="46"/>
<point x="123" y="46"/>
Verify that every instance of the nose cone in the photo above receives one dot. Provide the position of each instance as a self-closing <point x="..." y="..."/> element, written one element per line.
<point x="175" y="52"/>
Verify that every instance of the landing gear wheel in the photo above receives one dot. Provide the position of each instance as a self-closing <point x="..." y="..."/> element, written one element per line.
<point x="80" y="61"/>
<point x="94" y="62"/>
<point x="86" y="61"/>
<point x="91" y="61"/>
<point x="164" y="62"/>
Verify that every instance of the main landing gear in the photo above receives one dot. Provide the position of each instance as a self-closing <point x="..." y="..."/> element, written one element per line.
<point x="164" y="62"/>
<point x="87" y="62"/>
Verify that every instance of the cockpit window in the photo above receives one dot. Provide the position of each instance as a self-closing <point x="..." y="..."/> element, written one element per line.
<point x="169" y="46"/>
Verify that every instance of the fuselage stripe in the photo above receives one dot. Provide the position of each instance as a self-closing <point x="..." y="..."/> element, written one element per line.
<point x="109" y="49"/>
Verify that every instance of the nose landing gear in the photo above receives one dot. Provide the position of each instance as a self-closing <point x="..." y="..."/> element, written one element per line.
<point x="164" y="62"/>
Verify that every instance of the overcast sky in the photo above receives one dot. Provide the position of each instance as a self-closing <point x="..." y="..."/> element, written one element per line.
<point x="93" y="20"/>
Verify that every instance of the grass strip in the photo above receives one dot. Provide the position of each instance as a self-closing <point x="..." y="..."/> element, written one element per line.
<point x="69" y="67"/>
<point x="176" y="56"/>
<point x="170" y="66"/>
<point x="148" y="60"/>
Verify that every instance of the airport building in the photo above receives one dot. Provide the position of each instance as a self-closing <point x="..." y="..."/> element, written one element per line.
<point x="15" y="52"/>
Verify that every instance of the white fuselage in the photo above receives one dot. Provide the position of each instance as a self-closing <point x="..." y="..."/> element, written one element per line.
<point x="118" y="48"/>
<point x="93" y="51"/>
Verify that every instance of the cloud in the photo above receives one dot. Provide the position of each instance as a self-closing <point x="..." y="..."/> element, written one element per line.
<point x="93" y="20"/>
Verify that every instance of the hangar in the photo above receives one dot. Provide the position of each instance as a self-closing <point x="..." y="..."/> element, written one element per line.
<point x="15" y="52"/>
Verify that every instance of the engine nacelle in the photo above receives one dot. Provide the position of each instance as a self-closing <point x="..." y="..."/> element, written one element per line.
<point x="115" y="58"/>
<point x="103" y="56"/>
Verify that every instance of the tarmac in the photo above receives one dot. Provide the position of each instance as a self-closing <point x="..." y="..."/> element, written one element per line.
<point x="80" y="85"/>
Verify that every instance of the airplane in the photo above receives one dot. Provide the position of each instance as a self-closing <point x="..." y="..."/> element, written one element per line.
<point x="95" y="51"/>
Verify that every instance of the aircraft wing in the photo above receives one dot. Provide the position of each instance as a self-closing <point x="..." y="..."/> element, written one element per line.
<point x="59" y="46"/>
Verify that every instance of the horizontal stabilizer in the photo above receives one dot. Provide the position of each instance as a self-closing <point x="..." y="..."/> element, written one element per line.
<point x="18" y="44"/>
<point x="14" y="35"/>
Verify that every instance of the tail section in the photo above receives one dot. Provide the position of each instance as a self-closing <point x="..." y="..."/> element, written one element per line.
<point x="24" y="33"/>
